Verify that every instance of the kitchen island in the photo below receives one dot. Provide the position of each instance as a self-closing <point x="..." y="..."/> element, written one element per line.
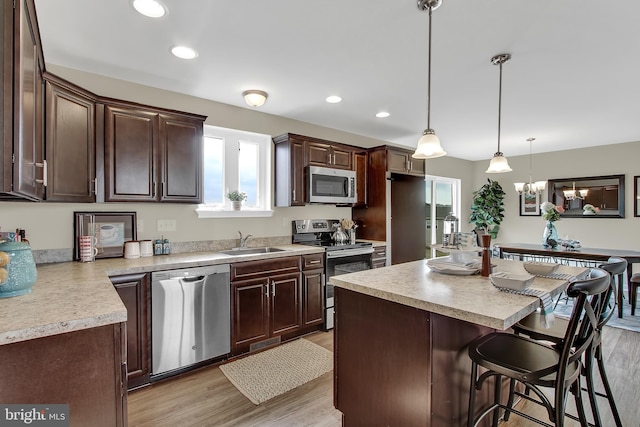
<point x="400" y="340"/>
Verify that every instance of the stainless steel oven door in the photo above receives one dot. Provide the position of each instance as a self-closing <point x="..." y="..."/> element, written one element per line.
<point x="342" y="262"/>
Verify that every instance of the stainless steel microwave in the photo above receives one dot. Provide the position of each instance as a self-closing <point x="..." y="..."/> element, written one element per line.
<point x="328" y="185"/>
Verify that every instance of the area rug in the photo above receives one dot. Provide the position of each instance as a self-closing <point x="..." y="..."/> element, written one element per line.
<point x="265" y="375"/>
<point x="628" y="322"/>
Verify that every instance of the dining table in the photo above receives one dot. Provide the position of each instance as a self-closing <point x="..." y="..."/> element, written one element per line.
<point x="560" y="254"/>
<point x="401" y="335"/>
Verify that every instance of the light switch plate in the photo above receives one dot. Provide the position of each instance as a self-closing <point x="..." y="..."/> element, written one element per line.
<point x="166" y="225"/>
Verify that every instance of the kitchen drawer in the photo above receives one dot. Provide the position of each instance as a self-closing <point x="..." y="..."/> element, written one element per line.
<point x="312" y="261"/>
<point x="379" y="257"/>
<point x="252" y="269"/>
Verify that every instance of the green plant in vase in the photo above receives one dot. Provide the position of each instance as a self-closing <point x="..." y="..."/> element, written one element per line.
<point x="487" y="211"/>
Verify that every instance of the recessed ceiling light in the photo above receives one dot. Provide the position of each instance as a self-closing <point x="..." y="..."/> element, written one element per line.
<point x="382" y="115"/>
<point x="150" y="8"/>
<point x="333" y="99"/>
<point x="184" y="52"/>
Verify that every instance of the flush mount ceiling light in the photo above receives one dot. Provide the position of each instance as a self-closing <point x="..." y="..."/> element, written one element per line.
<point x="382" y="115"/>
<point x="499" y="163"/>
<point x="532" y="188"/>
<point x="333" y="99"/>
<point x="184" y="52"/>
<point x="150" y="8"/>
<point x="429" y="144"/>
<point x="573" y="194"/>
<point x="255" y="98"/>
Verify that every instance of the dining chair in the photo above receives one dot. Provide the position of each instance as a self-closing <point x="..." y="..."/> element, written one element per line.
<point x="540" y="365"/>
<point x="531" y="327"/>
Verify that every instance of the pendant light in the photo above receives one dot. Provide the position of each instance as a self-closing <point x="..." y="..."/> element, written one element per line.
<point x="573" y="194"/>
<point x="532" y="188"/>
<point x="499" y="163"/>
<point x="429" y="143"/>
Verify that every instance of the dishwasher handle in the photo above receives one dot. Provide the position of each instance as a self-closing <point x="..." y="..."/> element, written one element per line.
<point x="192" y="279"/>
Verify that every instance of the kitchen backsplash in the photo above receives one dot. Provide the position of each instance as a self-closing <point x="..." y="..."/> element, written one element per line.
<point x="47" y="256"/>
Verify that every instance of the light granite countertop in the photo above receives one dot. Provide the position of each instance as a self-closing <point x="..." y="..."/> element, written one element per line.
<point x="72" y="296"/>
<point x="470" y="298"/>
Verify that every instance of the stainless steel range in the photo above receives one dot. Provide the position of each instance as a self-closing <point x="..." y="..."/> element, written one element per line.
<point x="340" y="258"/>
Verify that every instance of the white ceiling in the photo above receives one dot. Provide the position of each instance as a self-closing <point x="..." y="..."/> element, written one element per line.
<point x="572" y="82"/>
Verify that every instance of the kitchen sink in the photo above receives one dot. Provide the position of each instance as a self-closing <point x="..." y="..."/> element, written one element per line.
<point x="251" y="251"/>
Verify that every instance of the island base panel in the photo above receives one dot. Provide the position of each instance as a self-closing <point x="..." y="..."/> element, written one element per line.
<point x="400" y="366"/>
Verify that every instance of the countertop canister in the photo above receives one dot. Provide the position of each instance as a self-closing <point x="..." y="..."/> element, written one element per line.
<point x="17" y="259"/>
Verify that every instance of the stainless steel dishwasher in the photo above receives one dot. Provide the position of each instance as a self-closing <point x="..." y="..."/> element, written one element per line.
<point x="190" y="316"/>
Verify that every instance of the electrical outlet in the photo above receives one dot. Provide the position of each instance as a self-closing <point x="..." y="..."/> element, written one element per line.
<point x="140" y="225"/>
<point x="166" y="225"/>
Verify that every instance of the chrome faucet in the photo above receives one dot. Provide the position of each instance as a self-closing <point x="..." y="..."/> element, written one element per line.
<point x="243" y="240"/>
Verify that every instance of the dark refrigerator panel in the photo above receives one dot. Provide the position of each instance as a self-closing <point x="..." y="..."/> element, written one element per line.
<point x="408" y="218"/>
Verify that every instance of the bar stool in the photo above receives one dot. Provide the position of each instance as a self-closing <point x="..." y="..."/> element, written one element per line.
<point x="634" y="284"/>
<point x="536" y="364"/>
<point x="530" y="326"/>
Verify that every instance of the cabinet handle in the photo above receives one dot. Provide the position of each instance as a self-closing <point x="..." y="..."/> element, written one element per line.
<point x="42" y="165"/>
<point x="266" y="290"/>
<point x="273" y="284"/>
<point x="294" y="194"/>
<point x="329" y="158"/>
<point x="95" y="186"/>
<point x="317" y="261"/>
<point x="153" y="189"/>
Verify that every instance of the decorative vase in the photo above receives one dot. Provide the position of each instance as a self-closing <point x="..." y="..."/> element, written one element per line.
<point x="18" y="269"/>
<point x="550" y="236"/>
<point x="236" y="204"/>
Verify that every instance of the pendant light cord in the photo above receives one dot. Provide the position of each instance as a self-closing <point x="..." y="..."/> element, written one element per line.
<point x="499" y="105"/>
<point x="429" y="75"/>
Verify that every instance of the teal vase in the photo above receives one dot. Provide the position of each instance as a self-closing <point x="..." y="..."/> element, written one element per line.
<point x="550" y="236"/>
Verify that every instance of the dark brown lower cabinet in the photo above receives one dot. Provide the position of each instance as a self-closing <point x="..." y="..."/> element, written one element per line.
<point x="83" y="369"/>
<point x="312" y="291"/>
<point x="266" y="301"/>
<point x="133" y="289"/>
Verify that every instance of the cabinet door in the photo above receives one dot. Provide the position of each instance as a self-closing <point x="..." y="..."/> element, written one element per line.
<point x="181" y="156"/>
<point x="130" y="136"/>
<point x="312" y="297"/>
<point x="397" y="161"/>
<point x="341" y="158"/>
<point x="289" y="172"/>
<point x="28" y="124"/>
<point x="360" y="161"/>
<point x="133" y="289"/>
<point x="70" y="152"/>
<point x="416" y="166"/>
<point x="318" y="154"/>
<point x="249" y="313"/>
<point x="286" y="310"/>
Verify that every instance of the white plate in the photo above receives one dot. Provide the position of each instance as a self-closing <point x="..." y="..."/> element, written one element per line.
<point x="446" y="266"/>
<point x="516" y="282"/>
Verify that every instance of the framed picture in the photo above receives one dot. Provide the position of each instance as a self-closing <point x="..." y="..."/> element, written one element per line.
<point x="110" y="229"/>
<point x="636" y="196"/>
<point x="530" y="204"/>
<point x="605" y="194"/>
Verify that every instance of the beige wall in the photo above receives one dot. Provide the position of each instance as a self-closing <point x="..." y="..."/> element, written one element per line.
<point x="50" y="225"/>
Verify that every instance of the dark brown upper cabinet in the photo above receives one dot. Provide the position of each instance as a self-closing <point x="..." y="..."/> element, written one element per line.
<point x="152" y="155"/>
<point x="21" y="111"/>
<point x="70" y="142"/>
<point x="400" y="161"/>
<point x="328" y="154"/>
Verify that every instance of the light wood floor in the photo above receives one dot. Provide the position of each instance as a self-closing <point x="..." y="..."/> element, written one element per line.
<point x="206" y="398"/>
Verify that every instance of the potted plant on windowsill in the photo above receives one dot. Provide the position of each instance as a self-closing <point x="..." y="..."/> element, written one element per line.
<point x="236" y="197"/>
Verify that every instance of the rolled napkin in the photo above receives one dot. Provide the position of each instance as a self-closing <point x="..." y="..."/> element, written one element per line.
<point x="546" y="304"/>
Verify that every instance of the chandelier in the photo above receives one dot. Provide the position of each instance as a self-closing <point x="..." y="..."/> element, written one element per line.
<point x="429" y="144"/>
<point x="531" y="188"/>
<point x="573" y="194"/>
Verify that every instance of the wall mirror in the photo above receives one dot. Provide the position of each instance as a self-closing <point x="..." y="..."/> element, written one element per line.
<point x="590" y="197"/>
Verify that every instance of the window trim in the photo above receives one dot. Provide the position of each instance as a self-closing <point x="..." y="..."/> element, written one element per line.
<point x="264" y="179"/>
